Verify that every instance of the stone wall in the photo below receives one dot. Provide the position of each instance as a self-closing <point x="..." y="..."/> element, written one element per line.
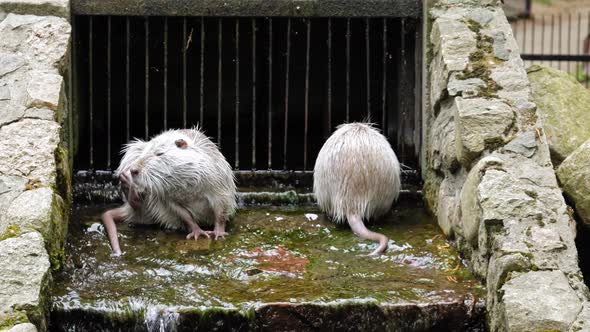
<point x="34" y="167"/>
<point x="488" y="174"/>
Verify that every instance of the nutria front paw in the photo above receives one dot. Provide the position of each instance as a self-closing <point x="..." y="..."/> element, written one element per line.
<point x="196" y="233"/>
<point x="218" y="234"/>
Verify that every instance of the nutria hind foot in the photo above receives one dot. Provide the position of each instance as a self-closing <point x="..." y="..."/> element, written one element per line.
<point x="358" y="228"/>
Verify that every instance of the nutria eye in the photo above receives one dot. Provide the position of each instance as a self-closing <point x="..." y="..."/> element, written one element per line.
<point x="159" y="153"/>
<point x="181" y="143"/>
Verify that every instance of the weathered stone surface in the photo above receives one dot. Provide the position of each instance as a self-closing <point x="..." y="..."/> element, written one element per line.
<point x="27" y="149"/>
<point x="511" y="77"/>
<point x="465" y="88"/>
<point x="23" y="276"/>
<point x="471" y="212"/>
<point x="44" y="89"/>
<point x="563" y="104"/>
<point x="10" y="188"/>
<point x="574" y="176"/>
<point x="20" y="213"/>
<point x="540" y="301"/>
<point x="40" y="113"/>
<point x="37" y="7"/>
<point x="25" y="327"/>
<point x="10" y="62"/>
<point x="524" y="144"/>
<point x="448" y="209"/>
<point x="442" y="149"/>
<point x="453" y="42"/>
<point x="10" y="112"/>
<point x="40" y="41"/>
<point x="582" y="323"/>
<point x="480" y="123"/>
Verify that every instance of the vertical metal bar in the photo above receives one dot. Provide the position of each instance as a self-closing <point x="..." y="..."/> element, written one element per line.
<point x="287" y="70"/>
<point x="184" y="53"/>
<point x="533" y="37"/>
<point x="219" y="77"/>
<point x="524" y="36"/>
<point x="587" y="65"/>
<point x="542" y="36"/>
<point x="270" y="93"/>
<point x="347" y="69"/>
<point x="384" y="83"/>
<point x="147" y="75"/>
<point x="569" y="40"/>
<point x="202" y="73"/>
<point x="237" y="147"/>
<point x="91" y="89"/>
<point x="552" y="39"/>
<point x="254" y="93"/>
<point x="307" y="49"/>
<point x="329" y="75"/>
<point x="109" y="87"/>
<point x="404" y="75"/>
<point x="165" y="73"/>
<point x="559" y="41"/>
<point x="127" y="78"/>
<point x="368" y="67"/>
<point x="579" y="40"/>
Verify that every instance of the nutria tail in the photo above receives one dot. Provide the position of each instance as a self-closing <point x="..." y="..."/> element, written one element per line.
<point x="358" y="227"/>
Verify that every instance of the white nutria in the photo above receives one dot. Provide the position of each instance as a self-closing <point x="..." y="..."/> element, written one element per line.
<point x="180" y="180"/>
<point x="357" y="176"/>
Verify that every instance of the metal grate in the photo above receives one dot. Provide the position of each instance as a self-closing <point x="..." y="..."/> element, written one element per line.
<point x="269" y="91"/>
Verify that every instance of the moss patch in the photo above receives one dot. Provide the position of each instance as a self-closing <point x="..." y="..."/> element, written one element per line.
<point x="481" y="61"/>
<point x="12" y="318"/>
<point x="11" y="231"/>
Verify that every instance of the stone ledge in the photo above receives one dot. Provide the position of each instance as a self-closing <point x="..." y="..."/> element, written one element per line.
<point x="59" y="8"/>
<point x="23" y="279"/>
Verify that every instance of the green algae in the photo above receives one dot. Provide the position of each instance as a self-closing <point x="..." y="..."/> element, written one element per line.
<point x="317" y="262"/>
<point x="11" y="231"/>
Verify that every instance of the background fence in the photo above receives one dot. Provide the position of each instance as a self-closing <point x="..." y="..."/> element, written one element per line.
<point x="560" y="40"/>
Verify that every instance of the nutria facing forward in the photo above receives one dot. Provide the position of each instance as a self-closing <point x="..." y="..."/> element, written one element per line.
<point x="179" y="179"/>
<point x="356" y="177"/>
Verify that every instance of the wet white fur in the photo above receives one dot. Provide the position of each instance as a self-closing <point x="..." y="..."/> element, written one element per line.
<point x="197" y="179"/>
<point x="356" y="173"/>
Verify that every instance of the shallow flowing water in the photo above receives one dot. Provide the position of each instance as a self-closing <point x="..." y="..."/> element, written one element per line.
<point x="291" y="256"/>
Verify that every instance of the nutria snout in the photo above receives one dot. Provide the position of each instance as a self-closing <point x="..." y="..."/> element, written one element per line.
<point x="356" y="178"/>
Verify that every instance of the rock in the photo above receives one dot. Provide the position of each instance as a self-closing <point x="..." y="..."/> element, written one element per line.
<point x="10" y="62"/>
<point x="40" y="113"/>
<point x="563" y="104"/>
<point x="25" y="327"/>
<point x="479" y="124"/>
<point x="582" y="323"/>
<point x="44" y="89"/>
<point x="442" y="147"/>
<point x="524" y="144"/>
<point x="4" y="93"/>
<point x="10" y="112"/>
<point x="41" y="41"/>
<point x="10" y="188"/>
<point x="447" y="207"/>
<point x="471" y="212"/>
<point x="511" y="78"/>
<point x="20" y="213"/>
<point x="27" y="147"/>
<point x="37" y="7"/>
<point x="23" y="276"/>
<point x="574" y="176"/>
<point x="465" y="88"/>
<point x="499" y="47"/>
<point x="453" y="42"/>
<point x="539" y="300"/>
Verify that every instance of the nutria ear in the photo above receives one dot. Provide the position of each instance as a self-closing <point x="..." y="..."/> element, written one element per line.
<point x="181" y="143"/>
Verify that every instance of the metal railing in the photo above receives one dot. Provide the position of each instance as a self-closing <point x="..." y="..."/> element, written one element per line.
<point x="559" y="40"/>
